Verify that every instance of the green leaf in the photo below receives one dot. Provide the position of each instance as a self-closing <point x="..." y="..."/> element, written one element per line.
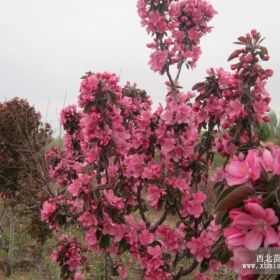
<point x="277" y="196"/>
<point x="88" y="106"/>
<point x="243" y="39"/>
<point x="264" y="50"/>
<point x="197" y="86"/>
<point x="225" y="255"/>
<point x="233" y="196"/>
<point x="105" y="241"/>
<point x="268" y="200"/>
<point x="204" y="265"/>
<point x="124" y="246"/>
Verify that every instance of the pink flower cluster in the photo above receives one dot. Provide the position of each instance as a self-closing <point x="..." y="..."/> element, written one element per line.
<point x="177" y="28"/>
<point x="177" y="132"/>
<point x="250" y="229"/>
<point x="48" y="209"/>
<point x="248" y="170"/>
<point x="95" y="88"/>
<point x="235" y="100"/>
<point x="52" y="210"/>
<point x="69" y="257"/>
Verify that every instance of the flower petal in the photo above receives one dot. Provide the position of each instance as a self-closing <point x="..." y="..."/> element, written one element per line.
<point x="271" y="236"/>
<point x="256" y="210"/>
<point x="244" y="221"/>
<point x="253" y="240"/>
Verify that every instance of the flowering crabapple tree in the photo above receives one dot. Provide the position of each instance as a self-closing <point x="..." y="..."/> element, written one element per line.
<point x="121" y="161"/>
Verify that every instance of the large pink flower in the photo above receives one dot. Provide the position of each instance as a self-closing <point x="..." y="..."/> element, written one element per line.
<point x="234" y="237"/>
<point x="271" y="161"/>
<point x="239" y="172"/>
<point x="257" y="225"/>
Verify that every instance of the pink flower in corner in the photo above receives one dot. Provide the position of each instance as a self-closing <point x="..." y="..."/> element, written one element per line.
<point x="252" y="228"/>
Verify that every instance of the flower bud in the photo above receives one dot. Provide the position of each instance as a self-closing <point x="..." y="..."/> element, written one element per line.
<point x="254" y="33"/>
<point x="269" y="72"/>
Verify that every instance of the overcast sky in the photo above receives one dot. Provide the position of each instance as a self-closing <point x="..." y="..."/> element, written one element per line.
<point x="46" y="46"/>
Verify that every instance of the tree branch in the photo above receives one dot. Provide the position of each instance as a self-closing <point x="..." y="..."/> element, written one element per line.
<point x="183" y="272"/>
<point x="159" y="221"/>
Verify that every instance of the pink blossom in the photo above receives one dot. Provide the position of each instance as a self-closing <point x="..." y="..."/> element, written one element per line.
<point x="239" y="172"/>
<point x="114" y="200"/>
<point x="134" y="165"/>
<point x="201" y="247"/>
<point x="54" y="256"/>
<point x="242" y="256"/>
<point x="195" y="206"/>
<point x="234" y="237"/>
<point x="271" y="161"/>
<point x="155" y="252"/>
<point x="122" y="272"/>
<point x="252" y="228"/>
<point x="158" y="60"/>
<point x="91" y="239"/>
<point x="174" y="240"/>
<point x="154" y="194"/>
<point x="146" y="237"/>
<point x="88" y="219"/>
<point x="79" y="276"/>
<point x="259" y="222"/>
<point x="48" y="210"/>
<point x="235" y="110"/>
<point x="156" y="23"/>
<point x="260" y="108"/>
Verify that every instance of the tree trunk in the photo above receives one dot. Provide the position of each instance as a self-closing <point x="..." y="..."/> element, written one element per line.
<point x="40" y="263"/>
<point x="2" y="212"/>
<point x="108" y="267"/>
<point x="11" y="243"/>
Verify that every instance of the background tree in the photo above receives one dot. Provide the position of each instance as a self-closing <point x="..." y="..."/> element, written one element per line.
<point x="270" y="131"/>
<point x="24" y="182"/>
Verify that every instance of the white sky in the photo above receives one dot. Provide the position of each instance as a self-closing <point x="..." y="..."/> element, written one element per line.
<point x="46" y="46"/>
